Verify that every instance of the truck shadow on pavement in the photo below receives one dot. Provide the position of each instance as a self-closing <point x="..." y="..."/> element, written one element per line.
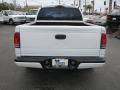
<point x="36" y="78"/>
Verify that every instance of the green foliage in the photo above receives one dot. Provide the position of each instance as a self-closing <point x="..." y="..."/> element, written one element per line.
<point x="89" y="7"/>
<point x="6" y="6"/>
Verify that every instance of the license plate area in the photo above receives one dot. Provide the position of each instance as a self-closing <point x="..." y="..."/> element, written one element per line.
<point x="59" y="63"/>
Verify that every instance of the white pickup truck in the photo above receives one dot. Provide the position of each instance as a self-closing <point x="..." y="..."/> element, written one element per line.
<point x="59" y="39"/>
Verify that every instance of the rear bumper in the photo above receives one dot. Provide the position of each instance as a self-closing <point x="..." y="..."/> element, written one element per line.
<point x="79" y="62"/>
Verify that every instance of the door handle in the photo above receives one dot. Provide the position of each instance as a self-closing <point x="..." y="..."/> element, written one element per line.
<point x="60" y="36"/>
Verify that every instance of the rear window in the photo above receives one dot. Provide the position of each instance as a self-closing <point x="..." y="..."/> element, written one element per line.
<point x="59" y="13"/>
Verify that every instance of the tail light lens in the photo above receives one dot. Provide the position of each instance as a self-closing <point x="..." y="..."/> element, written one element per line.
<point x="103" y="41"/>
<point x="17" y="40"/>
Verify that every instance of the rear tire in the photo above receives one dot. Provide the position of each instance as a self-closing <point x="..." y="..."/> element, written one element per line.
<point x="11" y="22"/>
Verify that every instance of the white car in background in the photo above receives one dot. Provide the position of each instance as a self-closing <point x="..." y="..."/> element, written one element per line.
<point x="1" y="18"/>
<point x="86" y="17"/>
<point x="90" y="18"/>
<point x="102" y="21"/>
<point x="31" y="15"/>
<point x="12" y="17"/>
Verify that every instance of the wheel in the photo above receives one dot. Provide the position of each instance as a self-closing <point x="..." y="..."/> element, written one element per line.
<point x="11" y="22"/>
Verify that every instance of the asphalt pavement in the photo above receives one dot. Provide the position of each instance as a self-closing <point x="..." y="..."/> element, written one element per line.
<point x="17" y="78"/>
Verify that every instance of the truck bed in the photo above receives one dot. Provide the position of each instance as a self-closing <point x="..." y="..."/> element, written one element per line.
<point x="39" y="39"/>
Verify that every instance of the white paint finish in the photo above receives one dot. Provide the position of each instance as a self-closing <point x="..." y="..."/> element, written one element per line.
<point x="48" y="41"/>
<point x="90" y="65"/>
<point x="1" y="17"/>
<point x="64" y="28"/>
<point x="102" y="52"/>
<point x="28" y="18"/>
<point x="103" y="29"/>
<point x="60" y="52"/>
<point x="81" y="40"/>
<point x="17" y="52"/>
<point x="17" y="29"/>
<point x="38" y="65"/>
<point x="15" y="17"/>
<point x="29" y="64"/>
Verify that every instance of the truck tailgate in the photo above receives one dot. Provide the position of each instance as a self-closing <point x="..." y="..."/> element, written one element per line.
<point x="77" y="41"/>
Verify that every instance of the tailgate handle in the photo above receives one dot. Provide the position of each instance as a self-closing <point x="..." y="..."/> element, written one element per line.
<point x="60" y="36"/>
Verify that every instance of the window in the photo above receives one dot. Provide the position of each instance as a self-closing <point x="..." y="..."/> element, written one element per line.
<point x="59" y="13"/>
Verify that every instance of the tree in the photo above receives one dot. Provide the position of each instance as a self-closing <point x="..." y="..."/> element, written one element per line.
<point x="89" y="7"/>
<point x="85" y="6"/>
<point x="110" y="6"/>
<point x="6" y="6"/>
<point x="11" y="6"/>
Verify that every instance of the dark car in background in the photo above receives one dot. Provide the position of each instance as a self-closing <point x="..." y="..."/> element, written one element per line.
<point x="113" y="21"/>
<point x="114" y="18"/>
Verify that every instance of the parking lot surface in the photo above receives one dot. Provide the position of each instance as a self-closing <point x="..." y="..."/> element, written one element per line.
<point x="17" y="78"/>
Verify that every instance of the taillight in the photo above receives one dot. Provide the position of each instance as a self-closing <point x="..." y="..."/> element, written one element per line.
<point x="17" y="40"/>
<point x="103" y="41"/>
